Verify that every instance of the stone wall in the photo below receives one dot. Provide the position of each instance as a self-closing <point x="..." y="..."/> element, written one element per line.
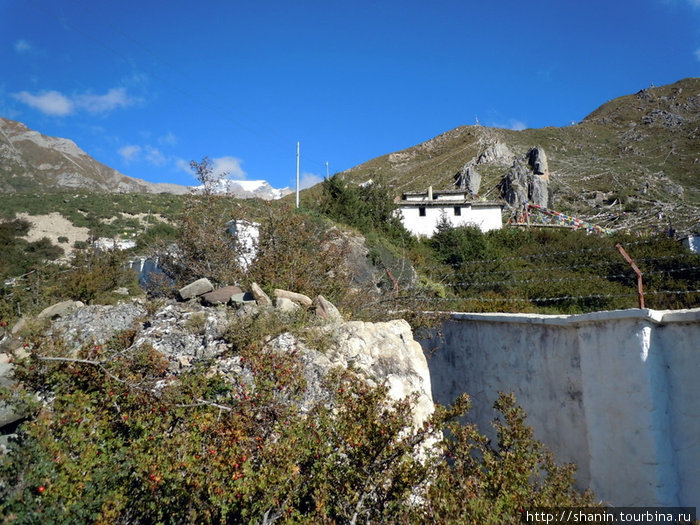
<point x="616" y="392"/>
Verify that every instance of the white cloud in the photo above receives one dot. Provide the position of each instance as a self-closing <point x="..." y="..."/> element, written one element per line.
<point x="697" y="52"/>
<point x="309" y="179"/>
<point x="514" y="124"/>
<point x="113" y="99"/>
<point x="228" y="166"/>
<point x="231" y="166"/>
<point x="58" y="104"/>
<point x="133" y="152"/>
<point x="183" y="165"/>
<point x="169" y="139"/>
<point x="129" y="153"/>
<point x="48" y="102"/>
<point x="155" y="157"/>
<point x="22" y="46"/>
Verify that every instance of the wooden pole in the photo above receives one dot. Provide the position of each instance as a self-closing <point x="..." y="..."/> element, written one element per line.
<point x="640" y="287"/>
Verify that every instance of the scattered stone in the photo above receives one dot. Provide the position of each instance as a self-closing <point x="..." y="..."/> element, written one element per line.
<point x="220" y="296"/>
<point x="195" y="289"/>
<point x="242" y="299"/>
<point x="298" y="298"/>
<point x="260" y="296"/>
<point x="122" y="291"/>
<point x="285" y="305"/>
<point x="59" y="309"/>
<point x="327" y="310"/>
<point x="19" y="326"/>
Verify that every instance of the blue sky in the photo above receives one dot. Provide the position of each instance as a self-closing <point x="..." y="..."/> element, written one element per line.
<point x="147" y="86"/>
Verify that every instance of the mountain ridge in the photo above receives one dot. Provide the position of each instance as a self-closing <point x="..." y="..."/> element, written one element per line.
<point x="632" y="164"/>
<point x="32" y="161"/>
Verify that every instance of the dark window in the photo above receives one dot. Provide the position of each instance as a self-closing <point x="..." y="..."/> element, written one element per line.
<point x="421" y="211"/>
<point x="458" y="210"/>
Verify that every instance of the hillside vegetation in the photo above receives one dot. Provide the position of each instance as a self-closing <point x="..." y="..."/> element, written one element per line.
<point x="631" y="159"/>
<point x="110" y="433"/>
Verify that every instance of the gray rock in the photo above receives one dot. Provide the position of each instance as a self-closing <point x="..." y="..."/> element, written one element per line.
<point x="300" y="299"/>
<point x="381" y="353"/>
<point x="537" y="159"/>
<point x="5" y="444"/>
<point x="19" y="326"/>
<point x="195" y="289"/>
<point x="497" y="153"/>
<point x="169" y="331"/>
<point x="469" y="179"/>
<point x="327" y="310"/>
<point x="8" y="414"/>
<point x="527" y="183"/>
<point x="260" y="296"/>
<point x="539" y="191"/>
<point x="514" y="185"/>
<point x="59" y="309"/>
<point x="220" y="296"/>
<point x="98" y="323"/>
<point x="241" y="299"/>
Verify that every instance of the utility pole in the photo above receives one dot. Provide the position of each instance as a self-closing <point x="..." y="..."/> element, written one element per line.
<point x="326" y="169"/>
<point x="297" y="174"/>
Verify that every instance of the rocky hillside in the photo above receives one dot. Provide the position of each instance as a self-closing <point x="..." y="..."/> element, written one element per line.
<point x="632" y="164"/>
<point x="30" y="161"/>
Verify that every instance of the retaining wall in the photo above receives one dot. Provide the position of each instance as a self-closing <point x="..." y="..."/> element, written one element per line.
<point x="618" y="393"/>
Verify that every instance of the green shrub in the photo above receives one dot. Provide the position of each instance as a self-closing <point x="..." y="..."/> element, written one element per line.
<point x="107" y="446"/>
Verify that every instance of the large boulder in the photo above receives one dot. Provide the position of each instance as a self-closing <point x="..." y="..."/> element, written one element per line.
<point x="381" y="353"/>
<point x="260" y="296"/>
<point x="327" y="310"/>
<point x="299" y="298"/>
<point x="221" y="295"/>
<point x="195" y="289"/>
<point x="59" y="309"/>
<point x="527" y="182"/>
<point x="537" y="159"/>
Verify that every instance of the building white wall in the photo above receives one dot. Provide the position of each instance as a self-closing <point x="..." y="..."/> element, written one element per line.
<point x="615" y="392"/>
<point x="485" y="218"/>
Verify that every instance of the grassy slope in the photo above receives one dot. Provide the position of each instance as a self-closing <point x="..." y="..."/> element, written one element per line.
<point x="636" y="150"/>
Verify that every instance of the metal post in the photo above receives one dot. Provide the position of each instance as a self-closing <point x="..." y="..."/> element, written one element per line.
<point x="640" y="287"/>
<point x="297" y="174"/>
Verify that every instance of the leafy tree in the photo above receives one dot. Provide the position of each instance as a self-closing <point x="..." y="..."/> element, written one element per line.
<point x="368" y="207"/>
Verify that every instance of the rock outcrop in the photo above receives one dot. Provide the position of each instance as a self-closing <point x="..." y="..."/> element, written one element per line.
<point x="468" y="178"/>
<point x="497" y="153"/>
<point x="527" y="181"/>
<point x="187" y="333"/>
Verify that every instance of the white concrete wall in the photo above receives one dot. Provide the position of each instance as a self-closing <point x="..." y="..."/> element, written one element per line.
<point x="617" y="392"/>
<point x="485" y="218"/>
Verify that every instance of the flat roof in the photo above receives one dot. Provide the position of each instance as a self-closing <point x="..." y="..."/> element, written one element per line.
<point x="449" y="204"/>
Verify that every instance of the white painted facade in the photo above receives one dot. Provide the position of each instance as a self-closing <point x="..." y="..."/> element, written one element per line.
<point x="420" y="213"/>
<point x="615" y="392"/>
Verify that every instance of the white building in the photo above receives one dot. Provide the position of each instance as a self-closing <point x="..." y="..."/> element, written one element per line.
<point x="421" y="212"/>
